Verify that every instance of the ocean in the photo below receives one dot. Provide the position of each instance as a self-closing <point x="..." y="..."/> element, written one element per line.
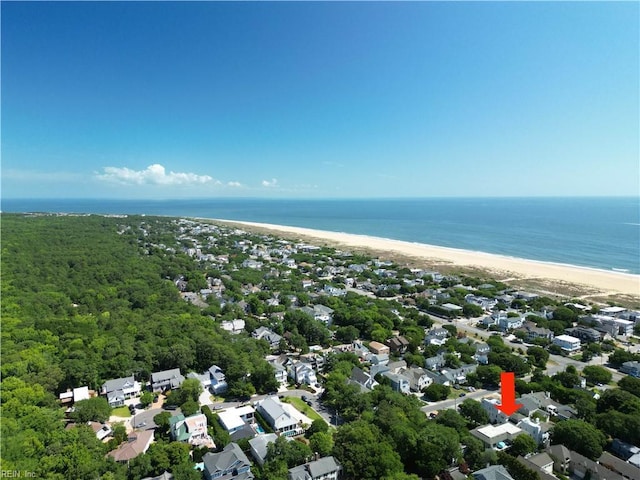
<point x="601" y="233"/>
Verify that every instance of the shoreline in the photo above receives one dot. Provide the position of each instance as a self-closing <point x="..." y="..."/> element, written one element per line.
<point x="548" y="276"/>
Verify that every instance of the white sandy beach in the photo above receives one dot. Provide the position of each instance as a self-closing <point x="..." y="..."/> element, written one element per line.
<point x="593" y="281"/>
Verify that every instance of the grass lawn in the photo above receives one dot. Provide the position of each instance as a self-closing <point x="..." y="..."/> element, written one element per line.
<point x="303" y="407"/>
<point x="121" y="412"/>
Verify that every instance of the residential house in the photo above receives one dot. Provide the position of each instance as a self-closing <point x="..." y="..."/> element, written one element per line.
<point x="494" y="318"/>
<point x="588" y="335"/>
<point x="233" y="326"/>
<point x="489" y="404"/>
<point x="119" y="389"/>
<point x="459" y="375"/>
<point x="492" y="472"/>
<point x="234" y="419"/>
<point x="567" y="343"/>
<point x="230" y="463"/>
<point x="538" y="431"/>
<point x="101" y="430"/>
<point x="582" y="467"/>
<point x="302" y="373"/>
<point x="497" y="436"/>
<point x="626" y="451"/>
<point x="435" y="363"/>
<point x="137" y="443"/>
<point x="280" y="372"/>
<point x="192" y="430"/>
<point x="213" y="380"/>
<point x="259" y="445"/>
<point x="378" y="348"/>
<point x="398" y="345"/>
<point x="378" y="359"/>
<point x="326" y="468"/>
<point x="541" y="462"/>
<point x="278" y="417"/>
<point x="533" y="332"/>
<point x="320" y="313"/>
<point x="399" y="382"/>
<point x="418" y="378"/>
<point x="164" y="476"/>
<point x="365" y="381"/>
<point x="436" y="336"/>
<point x="482" y="353"/>
<point x="631" y="368"/>
<point x="510" y="323"/>
<point x="166" y="380"/>
<point x="628" y="471"/>
<point x="272" y="338"/>
<point x="75" y="395"/>
<point x="452" y="308"/>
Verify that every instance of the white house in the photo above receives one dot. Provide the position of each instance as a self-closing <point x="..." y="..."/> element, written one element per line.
<point x="233" y="326"/>
<point x="277" y="417"/>
<point x="567" y="343"/>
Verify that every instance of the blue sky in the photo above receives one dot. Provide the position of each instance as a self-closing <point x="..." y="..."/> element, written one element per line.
<point x="206" y="99"/>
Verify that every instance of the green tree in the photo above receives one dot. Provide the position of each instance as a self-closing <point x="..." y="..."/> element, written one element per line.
<point x="364" y="452"/>
<point x="318" y="425"/>
<point x="146" y="399"/>
<point x="596" y="374"/>
<point x="436" y="392"/>
<point x="190" y="408"/>
<point x="474" y="413"/>
<point x="190" y="389"/>
<point x="580" y="436"/>
<point x="630" y="384"/>
<point x="321" y="443"/>
<point x="95" y="409"/>
<point x="538" y="355"/>
<point x="522" y="445"/>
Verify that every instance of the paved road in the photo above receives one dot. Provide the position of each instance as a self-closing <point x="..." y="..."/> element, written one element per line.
<point x="453" y="403"/>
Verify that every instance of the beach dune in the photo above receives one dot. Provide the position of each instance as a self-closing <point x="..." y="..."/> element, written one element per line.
<point x="591" y="282"/>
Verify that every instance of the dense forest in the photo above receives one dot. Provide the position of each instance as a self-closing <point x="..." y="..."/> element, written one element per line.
<point x="84" y="302"/>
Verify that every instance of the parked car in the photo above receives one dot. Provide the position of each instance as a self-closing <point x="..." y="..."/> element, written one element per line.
<point x="171" y="407"/>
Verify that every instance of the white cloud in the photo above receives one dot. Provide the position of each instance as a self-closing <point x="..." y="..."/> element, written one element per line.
<point x="270" y="183"/>
<point x="153" y="175"/>
<point x="234" y="184"/>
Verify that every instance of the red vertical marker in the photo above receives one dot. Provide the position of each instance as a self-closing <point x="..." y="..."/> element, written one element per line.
<point x="508" y="390"/>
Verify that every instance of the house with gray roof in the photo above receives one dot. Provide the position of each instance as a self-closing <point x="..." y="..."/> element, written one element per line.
<point x="365" y="381"/>
<point x="213" y="379"/>
<point x="230" y="463"/>
<point x="399" y="382"/>
<point x="278" y="418"/>
<point x="619" y="466"/>
<point x="418" y="378"/>
<point x="259" y="445"/>
<point x="119" y="389"/>
<point x="166" y="380"/>
<point x="263" y="333"/>
<point x="326" y="468"/>
<point x="492" y="472"/>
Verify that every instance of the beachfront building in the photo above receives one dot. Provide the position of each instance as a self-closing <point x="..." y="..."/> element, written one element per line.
<point x="568" y="343"/>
